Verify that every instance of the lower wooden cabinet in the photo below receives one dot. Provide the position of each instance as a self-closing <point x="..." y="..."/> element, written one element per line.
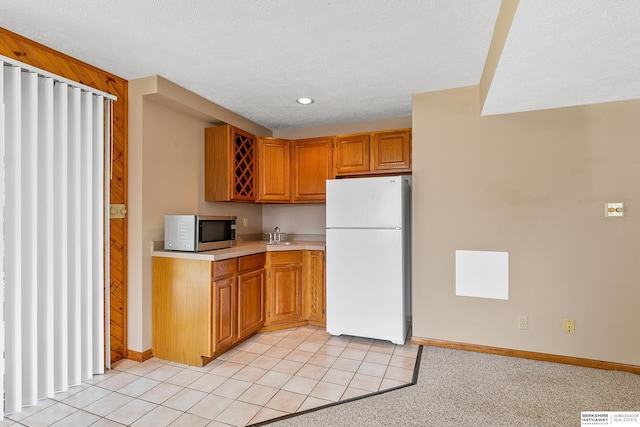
<point x="314" y="289"/>
<point x="181" y="310"/>
<point x="201" y="309"/>
<point x="295" y="289"/>
<point x="224" y="320"/>
<point x="284" y="287"/>
<point x="238" y="301"/>
<point x="251" y="304"/>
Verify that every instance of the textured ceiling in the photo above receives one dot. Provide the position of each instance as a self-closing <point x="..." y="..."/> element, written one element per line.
<point x="566" y="53"/>
<point x="359" y="59"/>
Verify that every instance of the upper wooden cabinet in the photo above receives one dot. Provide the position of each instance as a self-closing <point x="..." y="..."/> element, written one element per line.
<point x="229" y="165"/>
<point x="312" y="167"/>
<point x="242" y="167"/>
<point x="294" y="170"/>
<point x="352" y="153"/>
<point x="391" y="151"/>
<point x="274" y="170"/>
<point x="373" y="153"/>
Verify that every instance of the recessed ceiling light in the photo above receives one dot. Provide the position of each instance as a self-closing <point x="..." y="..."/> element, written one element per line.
<point x="304" y="101"/>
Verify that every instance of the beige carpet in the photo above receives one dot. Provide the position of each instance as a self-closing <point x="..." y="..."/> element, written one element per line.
<point x="459" y="388"/>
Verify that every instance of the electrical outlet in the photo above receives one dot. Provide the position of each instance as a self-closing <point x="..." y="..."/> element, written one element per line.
<point x="569" y="326"/>
<point x="523" y="322"/>
<point x="245" y="222"/>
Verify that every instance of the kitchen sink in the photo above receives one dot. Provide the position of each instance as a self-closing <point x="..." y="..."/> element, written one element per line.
<point x="276" y="243"/>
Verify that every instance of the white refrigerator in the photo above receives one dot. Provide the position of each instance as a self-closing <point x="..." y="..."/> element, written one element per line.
<point x="369" y="257"/>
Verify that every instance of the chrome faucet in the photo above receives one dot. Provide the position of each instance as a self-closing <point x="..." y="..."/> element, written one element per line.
<point x="276" y="234"/>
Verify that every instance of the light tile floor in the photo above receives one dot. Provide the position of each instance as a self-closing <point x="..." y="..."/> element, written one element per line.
<point x="268" y="376"/>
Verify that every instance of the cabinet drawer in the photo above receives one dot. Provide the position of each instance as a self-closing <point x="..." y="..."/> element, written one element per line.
<point x="285" y="257"/>
<point x="251" y="262"/>
<point x="225" y="267"/>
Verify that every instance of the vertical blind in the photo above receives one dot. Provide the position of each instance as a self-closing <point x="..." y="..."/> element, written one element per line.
<point x="53" y="136"/>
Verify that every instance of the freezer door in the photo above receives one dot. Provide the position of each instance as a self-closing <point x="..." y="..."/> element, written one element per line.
<point x="365" y="289"/>
<point x="365" y="202"/>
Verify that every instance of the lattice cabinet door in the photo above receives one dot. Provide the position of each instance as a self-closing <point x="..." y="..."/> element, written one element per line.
<point x="244" y="165"/>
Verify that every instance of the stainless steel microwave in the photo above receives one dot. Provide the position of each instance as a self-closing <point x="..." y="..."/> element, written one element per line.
<point x="196" y="233"/>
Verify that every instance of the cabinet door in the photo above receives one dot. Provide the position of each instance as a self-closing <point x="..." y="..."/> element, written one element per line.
<point x="313" y="165"/>
<point x="181" y="296"/>
<point x="251" y="305"/>
<point x="352" y="154"/>
<point x="285" y="286"/>
<point x="314" y="288"/>
<point x="217" y="164"/>
<point x="225" y="312"/>
<point x="391" y="151"/>
<point x="274" y="170"/>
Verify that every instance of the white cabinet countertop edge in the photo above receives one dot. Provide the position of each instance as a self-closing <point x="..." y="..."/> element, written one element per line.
<point x="241" y="249"/>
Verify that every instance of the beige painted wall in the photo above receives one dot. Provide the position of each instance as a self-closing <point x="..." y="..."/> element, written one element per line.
<point x="173" y="183"/>
<point x="340" y="128"/>
<point x="174" y="172"/>
<point x="166" y="175"/>
<point x="295" y="219"/>
<point x="532" y="184"/>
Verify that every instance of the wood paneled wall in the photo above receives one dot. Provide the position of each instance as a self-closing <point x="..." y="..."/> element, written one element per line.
<point x="22" y="49"/>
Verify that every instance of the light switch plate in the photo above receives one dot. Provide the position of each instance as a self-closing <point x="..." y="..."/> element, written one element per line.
<point x="614" y="209"/>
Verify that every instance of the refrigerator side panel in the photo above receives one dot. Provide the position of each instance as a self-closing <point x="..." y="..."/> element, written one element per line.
<point x="407" y="247"/>
<point x="365" y="202"/>
<point x="365" y="292"/>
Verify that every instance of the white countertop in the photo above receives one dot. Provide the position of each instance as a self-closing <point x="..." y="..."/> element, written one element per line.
<point x="242" y="249"/>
